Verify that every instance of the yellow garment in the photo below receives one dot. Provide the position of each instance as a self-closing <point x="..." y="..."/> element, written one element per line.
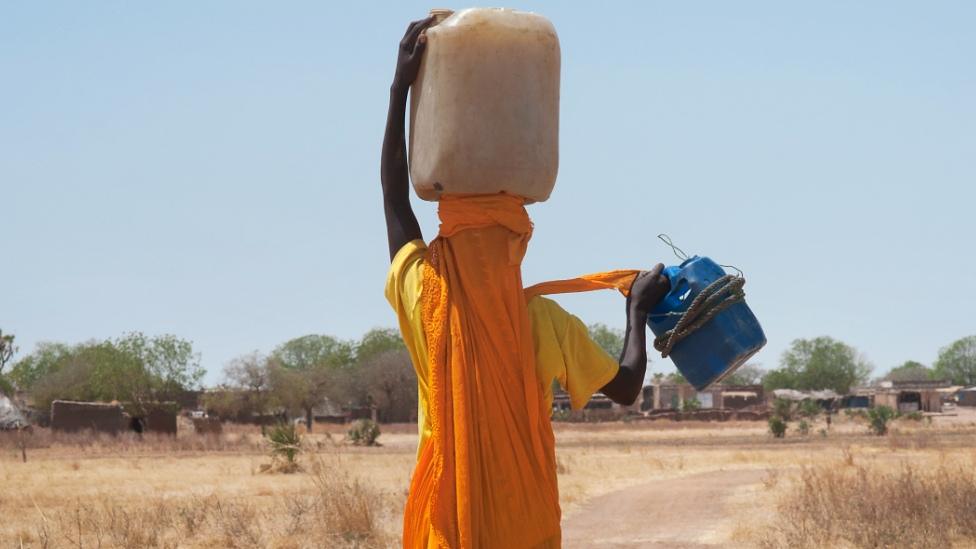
<point x="485" y="474"/>
<point x="564" y="351"/>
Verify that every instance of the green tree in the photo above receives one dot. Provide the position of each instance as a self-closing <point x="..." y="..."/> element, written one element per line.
<point x="747" y="374"/>
<point x="94" y="371"/>
<point x="134" y="369"/>
<point x="307" y="370"/>
<point x="779" y="379"/>
<point x="46" y="359"/>
<point x="820" y="363"/>
<point x="169" y="365"/>
<point x="378" y="341"/>
<point x="312" y="351"/>
<point x="675" y="377"/>
<point x="957" y="362"/>
<point x="610" y="339"/>
<point x="909" y="371"/>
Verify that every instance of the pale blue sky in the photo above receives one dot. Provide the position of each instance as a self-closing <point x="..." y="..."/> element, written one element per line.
<point x="211" y="169"/>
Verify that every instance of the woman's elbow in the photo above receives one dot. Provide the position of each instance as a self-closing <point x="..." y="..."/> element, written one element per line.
<point x="625" y="388"/>
<point x="631" y="396"/>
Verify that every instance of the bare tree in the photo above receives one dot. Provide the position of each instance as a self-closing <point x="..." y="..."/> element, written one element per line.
<point x="7" y="349"/>
<point x="391" y="385"/>
<point x="251" y="373"/>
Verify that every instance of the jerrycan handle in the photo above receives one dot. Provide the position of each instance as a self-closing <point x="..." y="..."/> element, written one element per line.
<point x="679" y="288"/>
<point x="672" y="272"/>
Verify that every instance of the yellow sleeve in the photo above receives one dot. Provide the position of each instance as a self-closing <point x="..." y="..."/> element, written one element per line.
<point x="404" y="284"/>
<point x="565" y="352"/>
<point x="404" y="280"/>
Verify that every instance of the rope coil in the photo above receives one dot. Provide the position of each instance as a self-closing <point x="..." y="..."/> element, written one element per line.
<point x="715" y="298"/>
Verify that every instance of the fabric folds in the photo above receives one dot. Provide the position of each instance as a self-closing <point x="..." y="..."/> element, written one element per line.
<point x="486" y="476"/>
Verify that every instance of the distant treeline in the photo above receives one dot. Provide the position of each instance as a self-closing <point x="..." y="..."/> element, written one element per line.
<point x="826" y="363"/>
<point x="297" y="377"/>
<point x="316" y="371"/>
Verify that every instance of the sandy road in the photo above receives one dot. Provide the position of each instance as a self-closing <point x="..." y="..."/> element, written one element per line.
<point x="680" y="512"/>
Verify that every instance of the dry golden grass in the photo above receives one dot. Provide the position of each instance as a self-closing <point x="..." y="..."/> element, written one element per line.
<point x="915" y="506"/>
<point x="334" y="511"/>
<point x="190" y="491"/>
<point x="208" y="491"/>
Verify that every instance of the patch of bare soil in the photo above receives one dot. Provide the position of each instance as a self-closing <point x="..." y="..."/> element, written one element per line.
<point x="684" y="512"/>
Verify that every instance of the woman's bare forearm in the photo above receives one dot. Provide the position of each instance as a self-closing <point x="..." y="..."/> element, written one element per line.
<point x="625" y="387"/>
<point x="401" y="223"/>
<point x="646" y="291"/>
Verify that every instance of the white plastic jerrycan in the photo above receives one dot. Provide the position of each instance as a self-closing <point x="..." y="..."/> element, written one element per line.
<point x="484" y="110"/>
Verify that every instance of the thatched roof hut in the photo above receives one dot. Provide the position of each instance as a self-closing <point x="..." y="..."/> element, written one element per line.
<point x="10" y="416"/>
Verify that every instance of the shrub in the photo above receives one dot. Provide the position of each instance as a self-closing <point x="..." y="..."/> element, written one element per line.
<point x="562" y="415"/>
<point x="809" y="408"/>
<point x="286" y="442"/>
<point x="913" y="416"/>
<point x="777" y="426"/>
<point x="364" y="432"/>
<point x="879" y="417"/>
<point x="347" y="507"/>
<point x="855" y="413"/>
<point x="783" y="409"/>
<point x="803" y="427"/>
<point x="690" y="405"/>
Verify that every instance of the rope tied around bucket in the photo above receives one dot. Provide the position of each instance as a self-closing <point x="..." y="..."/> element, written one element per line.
<point x="715" y="298"/>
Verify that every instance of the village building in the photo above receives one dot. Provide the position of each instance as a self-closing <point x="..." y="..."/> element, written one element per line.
<point x="160" y="419"/>
<point x="100" y="417"/>
<point x="966" y="397"/>
<point x="598" y="408"/>
<point x="912" y="396"/>
<point x="329" y="412"/>
<point x="111" y="418"/>
<point x="207" y="425"/>
<point x="739" y="397"/>
<point x="859" y="397"/>
<point x="673" y="396"/>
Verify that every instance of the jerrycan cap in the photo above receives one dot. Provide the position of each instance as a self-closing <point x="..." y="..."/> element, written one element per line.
<point x="440" y="14"/>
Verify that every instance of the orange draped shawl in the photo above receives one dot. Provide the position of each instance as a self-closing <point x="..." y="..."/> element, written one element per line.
<point x="486" y="477"/>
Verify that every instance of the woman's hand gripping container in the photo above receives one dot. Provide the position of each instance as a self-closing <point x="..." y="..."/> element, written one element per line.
<point x="721" y="332"/>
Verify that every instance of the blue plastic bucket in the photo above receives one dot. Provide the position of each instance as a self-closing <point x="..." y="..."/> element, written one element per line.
<point x="718" y="347"/>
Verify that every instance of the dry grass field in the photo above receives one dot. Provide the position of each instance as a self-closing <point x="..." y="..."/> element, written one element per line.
<point x="637" y="484"/>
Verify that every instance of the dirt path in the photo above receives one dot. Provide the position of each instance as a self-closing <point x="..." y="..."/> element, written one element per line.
<point x="679" y="513"/>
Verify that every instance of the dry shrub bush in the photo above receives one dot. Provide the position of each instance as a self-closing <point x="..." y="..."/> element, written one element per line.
<point x="336" y="511"/>
<point x="860" y="507"/>
<point x="346" y="506"/>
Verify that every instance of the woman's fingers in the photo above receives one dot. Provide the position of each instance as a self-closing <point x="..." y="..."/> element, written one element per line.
<point x="410" y="38"/>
